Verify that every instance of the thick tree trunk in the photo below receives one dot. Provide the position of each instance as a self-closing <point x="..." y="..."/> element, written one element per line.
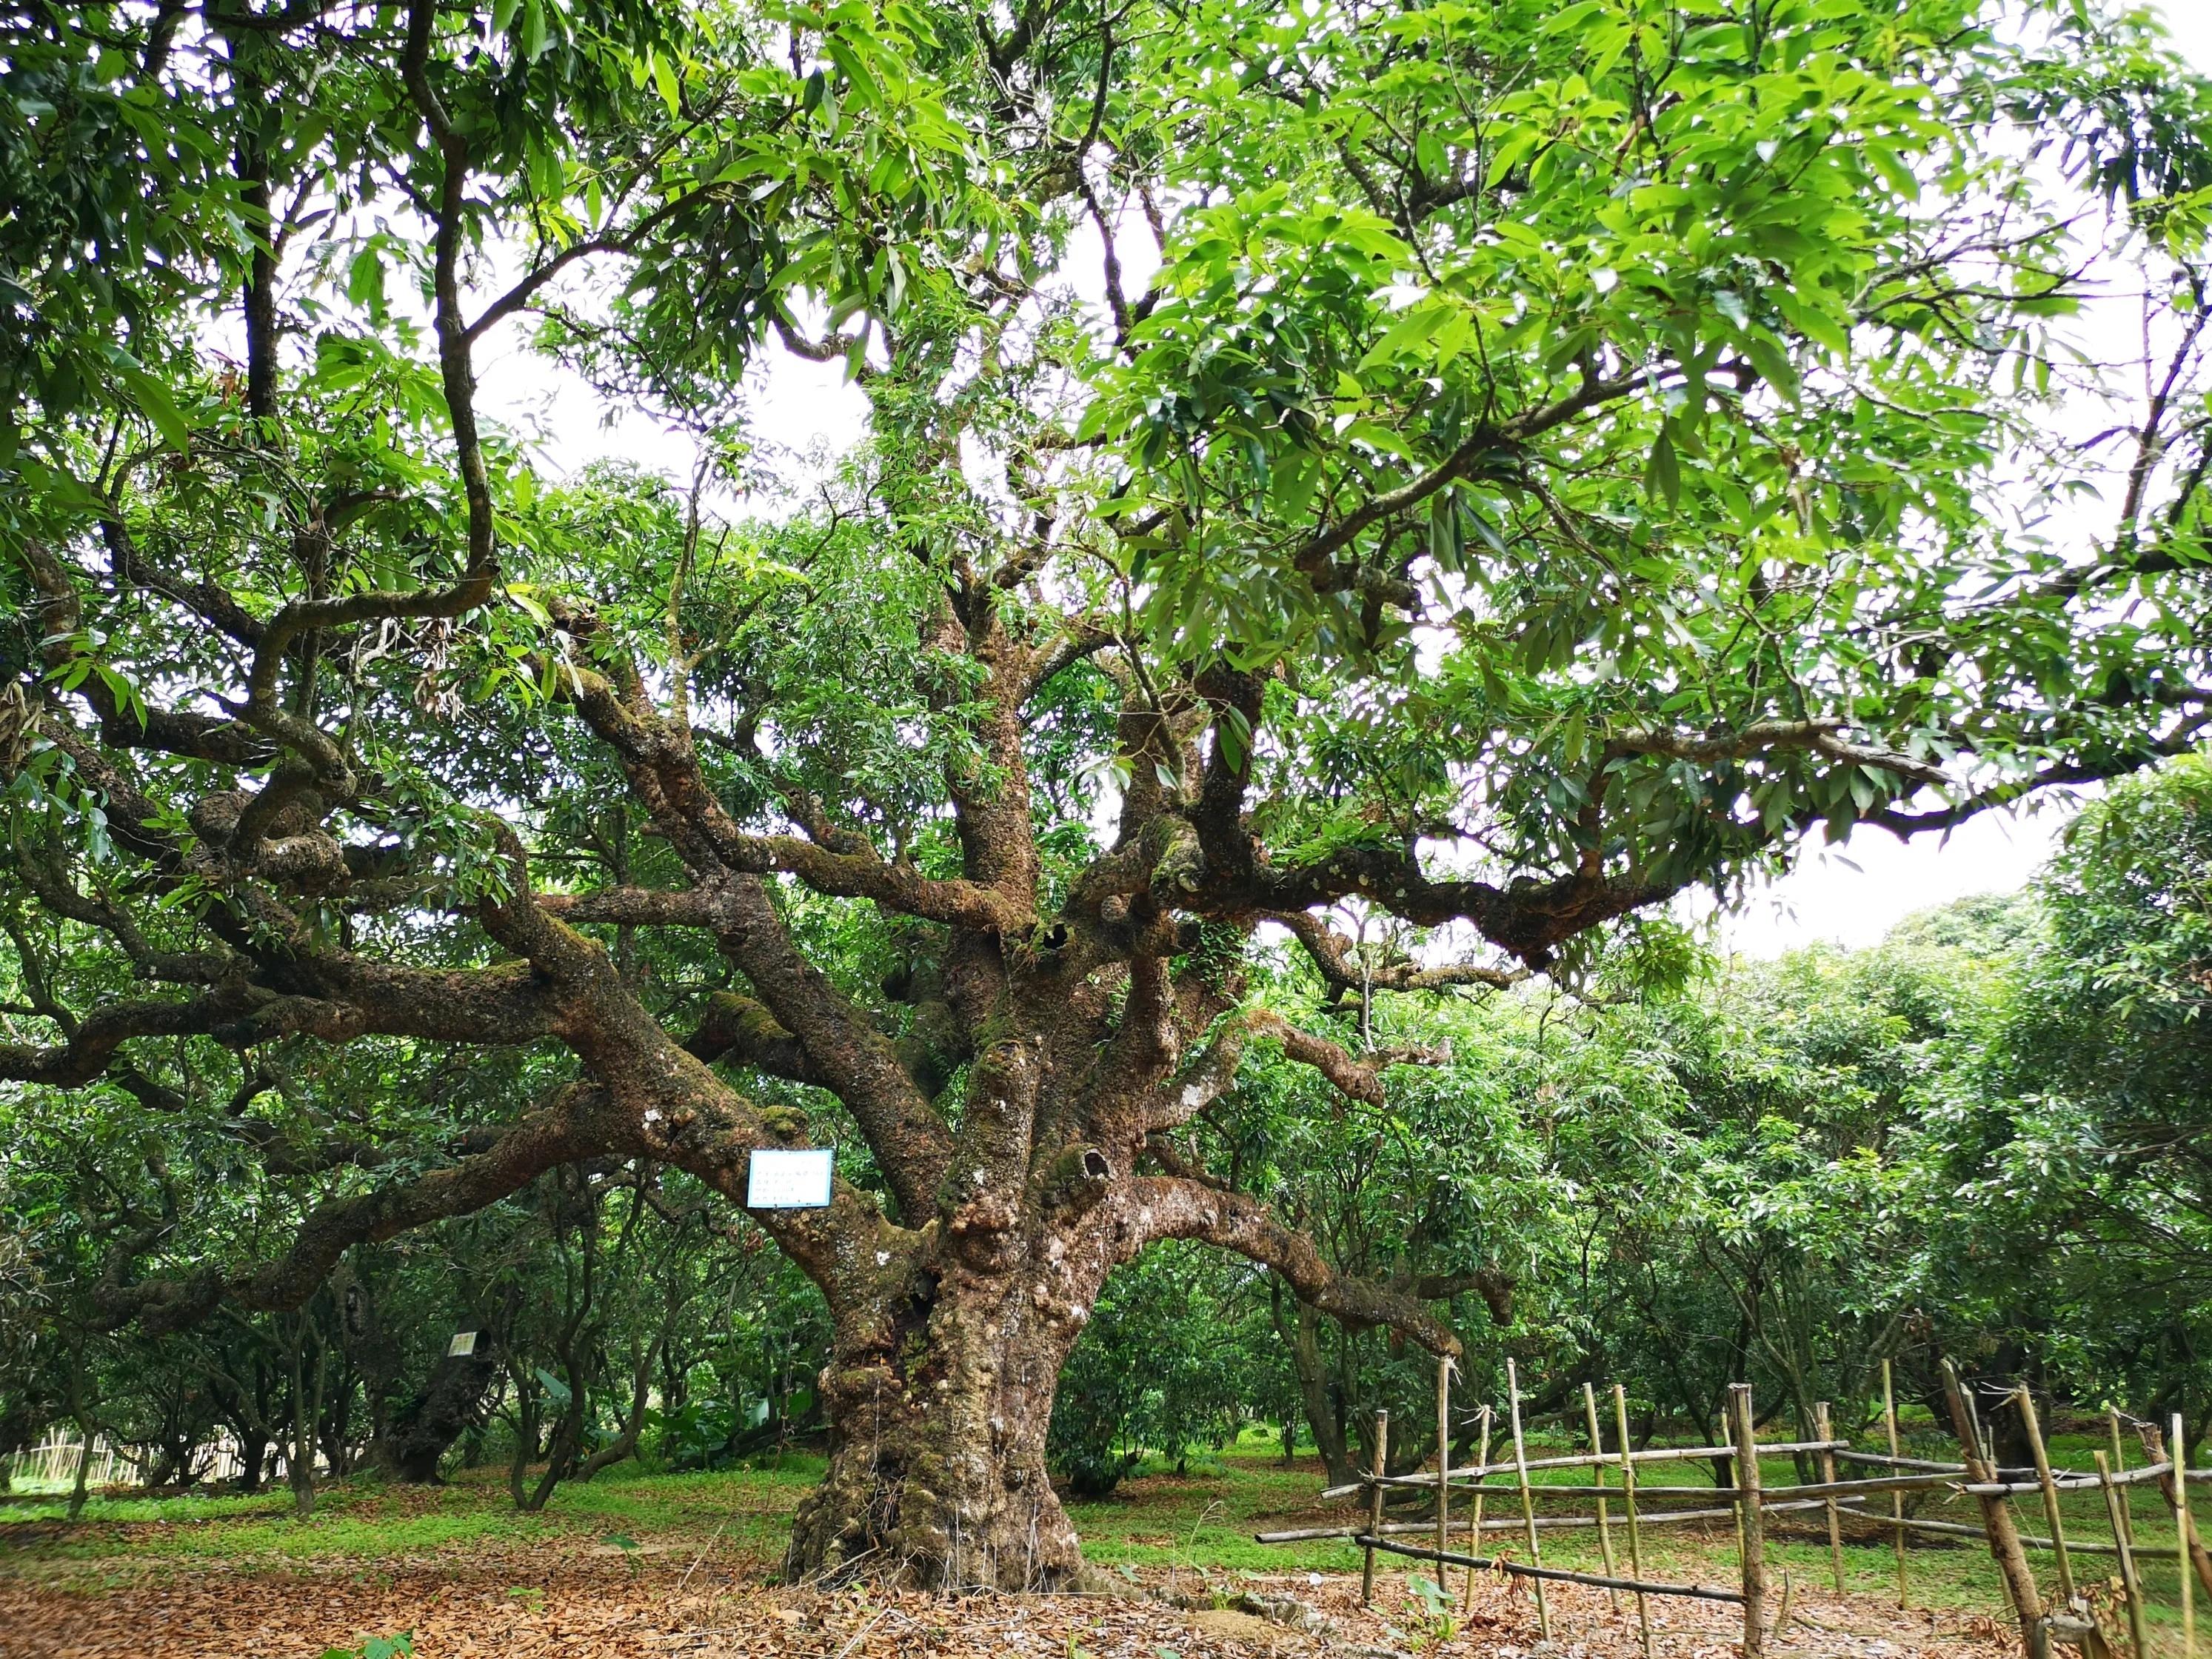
<point x="936" y="1455"/>
<point x="1300" y="1332"/>
<point x="80" y="1488"/>
<point x="1324" y="1399"/>
<point x="19" y="1432"/>
<point x="253" y="1457"/>
<point x="416" y="1441"/>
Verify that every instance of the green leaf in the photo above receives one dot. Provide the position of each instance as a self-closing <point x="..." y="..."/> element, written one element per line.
<point x="154" y="402"/>
<point x="1233" y="731"/>
<point x="62" y="487"/>
<point x="533" y="38"/>
<point x="1773" y="365"/>
<point x="1429" y="153"/>
<point x="1417" y="327"/>
<point x="1810" y="317"/>
<point x="365" y="279"/>
<point x="1662" y="475"/>
<point x="1512" y="150"/>
<point x="1291" y="484"/>
<point x="1570" y="19"/>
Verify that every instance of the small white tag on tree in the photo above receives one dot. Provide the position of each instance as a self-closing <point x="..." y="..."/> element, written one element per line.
<point x="780" y="1179"/>
<point x="462" y="1347"/>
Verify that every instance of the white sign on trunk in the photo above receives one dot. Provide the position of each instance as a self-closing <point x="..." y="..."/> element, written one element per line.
<point x="463" y="1346"/>
<point x="784" y="1179"/>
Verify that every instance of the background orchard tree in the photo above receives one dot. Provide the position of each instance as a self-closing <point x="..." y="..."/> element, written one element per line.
<point x="1566" y="457"/>
<point x="2074" y="1135"/>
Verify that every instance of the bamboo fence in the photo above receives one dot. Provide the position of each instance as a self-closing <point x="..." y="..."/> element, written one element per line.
<point x="2067" y="1620"/>
<point x="53" y="1460"/>
<point x="52" y="1463"/>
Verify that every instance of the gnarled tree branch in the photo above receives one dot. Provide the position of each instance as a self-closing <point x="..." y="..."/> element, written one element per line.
<point x="1165" y="1206"/>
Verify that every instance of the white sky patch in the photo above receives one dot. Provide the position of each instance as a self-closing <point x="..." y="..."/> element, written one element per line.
<point x="805" y="408"/>
<point x="2191" y="23"/>
<point x="1854" y="893"/>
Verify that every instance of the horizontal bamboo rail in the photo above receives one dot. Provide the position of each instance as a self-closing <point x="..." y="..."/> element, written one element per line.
<point x="1554" y="1575"/>
<point x="2063" y="1481"/>
<point x="1538" y="1489"/>
<point x="1550" y="1522"/>
<point x="1960" y="1530"/>
<point x="2082" y="1480"/>
<point x="1823" y="1489"/>
<point x="1473" y="1471"/>
<point x="2067" y="1481"/>
<point x="1930" y="1463"/>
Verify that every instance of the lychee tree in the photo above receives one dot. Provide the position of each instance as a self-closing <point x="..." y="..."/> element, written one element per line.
<point x="1564" y="458"/>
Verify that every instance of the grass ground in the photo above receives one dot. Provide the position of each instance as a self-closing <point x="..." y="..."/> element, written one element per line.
<point x="1188" y="1533"/>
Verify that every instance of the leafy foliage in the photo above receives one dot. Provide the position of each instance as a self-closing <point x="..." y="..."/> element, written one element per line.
<point x="1562" y="458"/>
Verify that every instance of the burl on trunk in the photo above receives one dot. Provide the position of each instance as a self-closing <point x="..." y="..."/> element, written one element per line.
<point x="937" y="1438"/>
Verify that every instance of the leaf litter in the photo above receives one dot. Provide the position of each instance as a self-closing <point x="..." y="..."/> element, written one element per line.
<point x="479" y="1603"/>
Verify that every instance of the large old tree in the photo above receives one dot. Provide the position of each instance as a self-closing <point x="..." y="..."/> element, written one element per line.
<point x="1561" y="458"/>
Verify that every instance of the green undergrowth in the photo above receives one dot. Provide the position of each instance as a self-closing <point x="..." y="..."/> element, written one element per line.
<point x="1198" y="1519"/>
<point x="364" y="1522"/>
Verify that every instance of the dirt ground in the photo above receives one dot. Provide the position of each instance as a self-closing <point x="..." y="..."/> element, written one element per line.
<point x="662" y="1607"/>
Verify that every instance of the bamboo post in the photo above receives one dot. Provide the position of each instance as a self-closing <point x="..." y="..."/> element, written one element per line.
<point x="2051" y="1517"/>
<point x="1728" y="1433"/>
<point x="1996" y="1520"/>
<point x="1896" y="1499"/>
<point x="1528" y="1504"/>
<point x="1474" y="1516"/>
<point x="2181" y="1538"/>
<point x="1822" y="1430"/>
<point x="2115" y="1512"/>
<point x="2120" y="1467"/>
<point x="1597" y="1475"/>
<point x="1752" y="1523"/>
<point x="1375" y="1504"/>
<point x="1444" y="1461"/>
<point x="2169" y="1484"/>
<point x="1628" y="1503"/>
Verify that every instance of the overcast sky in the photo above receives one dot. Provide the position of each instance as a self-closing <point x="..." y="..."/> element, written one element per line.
<point x="1852" y="895"/>
<point x="2191" y="23"/>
